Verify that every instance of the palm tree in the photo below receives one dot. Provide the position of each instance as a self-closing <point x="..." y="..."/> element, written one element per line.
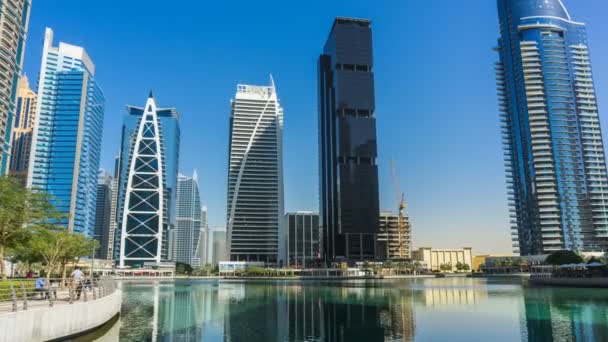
<point x="409" y="266"/>
<point x="365" y="267"/>
<point x="417" y="267"/>
<point x="389" y="265"/>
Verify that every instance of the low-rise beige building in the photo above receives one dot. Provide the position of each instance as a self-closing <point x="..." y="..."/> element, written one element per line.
<point x="432" y="259"/>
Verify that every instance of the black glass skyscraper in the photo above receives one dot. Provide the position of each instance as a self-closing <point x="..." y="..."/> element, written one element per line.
<point x="348" y="175"/>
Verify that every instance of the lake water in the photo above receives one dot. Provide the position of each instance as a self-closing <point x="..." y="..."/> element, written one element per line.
<point x="448" y="309"/>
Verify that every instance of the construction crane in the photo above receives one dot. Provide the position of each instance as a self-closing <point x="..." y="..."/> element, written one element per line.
<point x="402" y="221"/>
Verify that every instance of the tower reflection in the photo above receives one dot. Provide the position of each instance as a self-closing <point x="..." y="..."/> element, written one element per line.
<point x="319" y="313"/>
<point x="553" y="314"/>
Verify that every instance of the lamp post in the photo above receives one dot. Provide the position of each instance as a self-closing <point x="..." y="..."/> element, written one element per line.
<point x="93" y="254"/>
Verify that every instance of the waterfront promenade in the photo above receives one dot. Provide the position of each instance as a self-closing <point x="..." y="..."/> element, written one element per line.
<point x="57" y="313"/>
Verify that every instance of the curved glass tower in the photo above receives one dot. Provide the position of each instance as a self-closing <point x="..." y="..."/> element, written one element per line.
<point x="255" y="176"/>
<point x="554" y="155"/>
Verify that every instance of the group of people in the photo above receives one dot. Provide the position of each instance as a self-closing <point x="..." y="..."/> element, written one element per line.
<point x="78" y="281"/>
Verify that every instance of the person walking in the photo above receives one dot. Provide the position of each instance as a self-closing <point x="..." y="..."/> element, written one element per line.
<point x="77" y="280"/>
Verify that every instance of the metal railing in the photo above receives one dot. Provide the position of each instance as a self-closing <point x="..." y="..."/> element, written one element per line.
<point x="24" y="294"/>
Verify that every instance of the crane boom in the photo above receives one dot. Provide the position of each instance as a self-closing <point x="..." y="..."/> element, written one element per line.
<point x="403" y="226"/>
<point x="395" y="181"/>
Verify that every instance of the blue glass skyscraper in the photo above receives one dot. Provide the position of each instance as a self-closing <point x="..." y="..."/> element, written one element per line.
<point x="554" y="155"/>
<point x="66" y="143"/>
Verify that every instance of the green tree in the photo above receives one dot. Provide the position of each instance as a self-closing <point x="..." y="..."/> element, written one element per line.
<point x="459" y="266"/>
<point x="205" y="270"/>
<point x="520" y="262"/>
<point x="77" y="247"/>
<point x="21" y="253"/>
<point x="183" y="268"/>
<point x="416" y="266"/>
<point x="389" y="265"/>
<point x="365" y="267"/>
<point x="594" y="259"/>
<point x="446" y="267"/>
<point x="20" y="210"/>
<point x="50" y="246"/>
<point x="563" y="257"/>
<point x="466" y="267"/>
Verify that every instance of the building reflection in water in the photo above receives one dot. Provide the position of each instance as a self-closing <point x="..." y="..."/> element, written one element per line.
<point x="319" y="313"/>
<point x="171" y="312"/>
<point x="562" y="314"/>
<point x="344" y="312"/>
<point x="432" y="297"/>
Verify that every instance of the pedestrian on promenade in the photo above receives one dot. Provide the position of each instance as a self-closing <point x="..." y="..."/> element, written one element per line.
<point x="40" y="286"/>
<point x="77" y="279"/>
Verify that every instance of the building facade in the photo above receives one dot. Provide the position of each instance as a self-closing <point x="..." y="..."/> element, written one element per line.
<point x="14" y="20"/>
<point x="148" y="180"/>
<point x="555" y="161"/>
<point x="255" y="176"/>
<point x="114" y="212"/>
<point x="349" y="204"/>
<point x="302" y="241"/>
<point x="218" y="250"/>
<point x="23" y="129"/>
<point x="103" y="210"/>
<point x="432" y="259"/>
<point x="395" y="243"/>
<point x="188" y="221"/>
<point x="200" y="251"/>
<point x="68" y="128"/>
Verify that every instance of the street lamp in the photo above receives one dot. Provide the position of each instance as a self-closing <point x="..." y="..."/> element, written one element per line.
<point x="93" y="255"/>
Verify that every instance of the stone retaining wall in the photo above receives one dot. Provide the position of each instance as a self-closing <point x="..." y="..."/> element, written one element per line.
<point x="572" y="282"/>
<point x="62" y="320"/>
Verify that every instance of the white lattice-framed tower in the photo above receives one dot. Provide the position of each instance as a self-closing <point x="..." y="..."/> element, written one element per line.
<point x="143" y="212"/>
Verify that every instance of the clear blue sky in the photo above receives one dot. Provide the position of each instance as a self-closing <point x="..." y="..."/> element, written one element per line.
<point x="435" y="92"/>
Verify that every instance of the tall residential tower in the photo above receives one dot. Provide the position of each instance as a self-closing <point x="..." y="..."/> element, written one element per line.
<point x="188" y="221"/>
<point x="14" y="20"/>
<point x="554" y="154"/>
<point x="66" y="144"/>
<point x="349" y="205"/>
<point x="23" y="128"/>
<point x="103" y="213"/>
<point x="200" y="251"/>
<point x="255" y="176"/>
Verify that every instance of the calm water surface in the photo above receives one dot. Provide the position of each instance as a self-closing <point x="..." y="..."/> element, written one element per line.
<point x="449" y="309"/>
